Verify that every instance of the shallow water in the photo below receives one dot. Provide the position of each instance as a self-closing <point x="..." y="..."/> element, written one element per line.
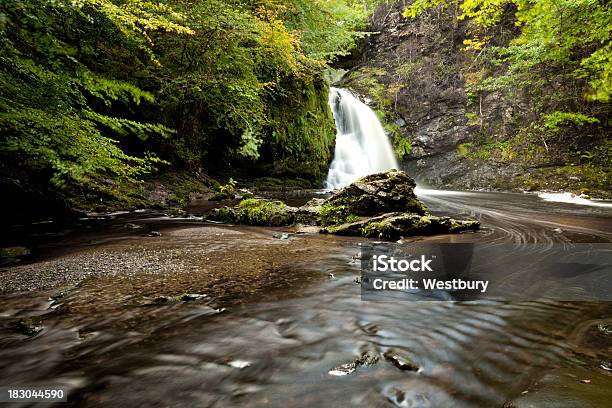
<point x="277" y="348"/>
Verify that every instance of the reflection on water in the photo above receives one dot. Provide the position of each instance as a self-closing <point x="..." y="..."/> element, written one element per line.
<point x="278" y="350"/>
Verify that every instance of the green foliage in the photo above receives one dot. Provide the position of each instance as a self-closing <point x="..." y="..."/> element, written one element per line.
<point x="402" y="147"/>
<point x="463" y="149"/>
<point x="418" y="7"/>
<point x="365" y="81"/>
<point x="555" y="120"/>
<point x="94" y="93"/>
<point x="472" y="118"/>
<point x="561" y="56"/>
<point x="59" y="106"/>
<point x="252" y="211"/>
<point x="229" y="187"/>
<point x="326" y="28"/>
<point x="549" y="63"/>
<point x="225" y="191"/>
<point x="248" y="77"/>
<point x="505" y="151"/>
<point x="302" y="133"/>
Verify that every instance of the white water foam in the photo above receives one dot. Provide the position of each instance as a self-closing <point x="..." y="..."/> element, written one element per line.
<point x="572" y="199"/>
<point x="362" y="147"/>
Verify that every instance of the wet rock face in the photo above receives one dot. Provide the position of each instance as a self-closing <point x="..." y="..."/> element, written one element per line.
<point x="419" y="64"/>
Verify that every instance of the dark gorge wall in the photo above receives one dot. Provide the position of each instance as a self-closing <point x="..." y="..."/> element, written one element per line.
<point x="417" y="75"/>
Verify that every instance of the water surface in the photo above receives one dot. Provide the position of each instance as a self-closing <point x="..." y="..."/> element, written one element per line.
<point x="113" y="344"/>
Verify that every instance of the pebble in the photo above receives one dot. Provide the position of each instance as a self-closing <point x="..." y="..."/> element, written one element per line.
<point x="401" y="362"/>
<point x="239" y="364"/>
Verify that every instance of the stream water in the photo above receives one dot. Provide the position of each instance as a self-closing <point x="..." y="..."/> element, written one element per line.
<point x="278" y="348"/>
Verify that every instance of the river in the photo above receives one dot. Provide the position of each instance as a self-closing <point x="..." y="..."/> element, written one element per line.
<point x="112" y="342"/>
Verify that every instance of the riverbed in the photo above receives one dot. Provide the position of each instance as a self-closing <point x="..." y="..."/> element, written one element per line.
<point x="213" y="315"/>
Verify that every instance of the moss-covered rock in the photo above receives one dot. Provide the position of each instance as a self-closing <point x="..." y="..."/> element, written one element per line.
<point x="334" y="214"/>
<point x="393" y="226"/>
<point x="381" y="205"/>
<point x="375" y="194"/>
<point x="255" y="211"/>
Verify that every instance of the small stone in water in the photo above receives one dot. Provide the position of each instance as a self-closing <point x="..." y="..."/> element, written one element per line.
<point x="344" y="369"/>
<point x="188" y="297"/>
<point x="401" y="362"/>
<point x="132" y="226"/>
<point x="281" y="236"/>
<point x="366" y="359"/>
<point x="605" y="328"/>
<point x="154" y="234"/>
<point x="585" y="381"/>
<point x="57" y="295"/>
<point x="30" y="325"/>
<point x="239" y="364"/>
<point x="558" y="230"/>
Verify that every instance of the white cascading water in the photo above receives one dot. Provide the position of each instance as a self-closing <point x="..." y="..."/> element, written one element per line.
<point x="362" y="147"/>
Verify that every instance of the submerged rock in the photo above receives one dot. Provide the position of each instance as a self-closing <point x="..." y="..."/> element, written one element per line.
<point x="14" y="252"/>
<point x="30" y="326"/>
<point x="393" y="226"/>
<point x="400" y="360"/>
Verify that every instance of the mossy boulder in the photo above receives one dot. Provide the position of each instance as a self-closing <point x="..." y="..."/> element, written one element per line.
<point x="393" y="226"/>
<point x="390" y="191"/>
<point x="381" y="205"/>
<point x="255" y="211"/>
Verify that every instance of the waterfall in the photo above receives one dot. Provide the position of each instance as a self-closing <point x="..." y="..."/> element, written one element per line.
<point x="362" y="147"/>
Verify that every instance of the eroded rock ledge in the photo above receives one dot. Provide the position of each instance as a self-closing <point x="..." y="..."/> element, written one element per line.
<point x="381" y="205"/>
